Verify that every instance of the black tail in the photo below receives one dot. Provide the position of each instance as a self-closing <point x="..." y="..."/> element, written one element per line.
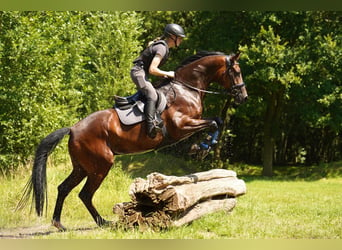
<point x="37" y="182"/>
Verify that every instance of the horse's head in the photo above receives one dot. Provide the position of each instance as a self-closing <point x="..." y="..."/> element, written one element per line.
<point x="231" y="79"/>
<point x="199" y="70"/>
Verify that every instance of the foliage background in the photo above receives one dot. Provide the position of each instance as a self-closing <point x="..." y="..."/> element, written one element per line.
<point x="58" y="67"/>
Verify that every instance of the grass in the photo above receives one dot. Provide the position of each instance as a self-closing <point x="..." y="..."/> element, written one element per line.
<point x="297" y="203"/>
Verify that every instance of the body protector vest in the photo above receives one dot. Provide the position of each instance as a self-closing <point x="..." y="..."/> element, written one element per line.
<point x="146" y="57"/>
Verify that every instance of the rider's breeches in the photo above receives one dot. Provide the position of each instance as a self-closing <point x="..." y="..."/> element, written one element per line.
<point x="138" y="76"/>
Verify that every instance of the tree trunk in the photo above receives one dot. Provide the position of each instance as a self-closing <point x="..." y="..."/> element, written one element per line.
<point x="271" y="129"/>
<point x="268" y="151"/>
<point x="268" y="148"/>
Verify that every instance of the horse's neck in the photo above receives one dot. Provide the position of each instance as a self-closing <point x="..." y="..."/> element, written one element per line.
<point x="175" y="90"/>
<point x="200" y="73"/>
<point x="194" y="77"/>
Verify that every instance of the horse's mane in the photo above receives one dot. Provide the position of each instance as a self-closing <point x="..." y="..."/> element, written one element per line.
<point x="198" y="56"/>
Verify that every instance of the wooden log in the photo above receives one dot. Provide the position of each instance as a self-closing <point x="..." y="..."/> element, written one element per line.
<point x="204" y="208"/>
<point x="179" y="193"/>
<point x="180" y="198"/>
<point x="163" y="201"/>
<point x="132" y="215"/>
<point x="156" y="182"/>
<point x="159" y="181"/>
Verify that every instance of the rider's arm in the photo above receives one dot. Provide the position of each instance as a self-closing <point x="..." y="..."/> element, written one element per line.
<point x="154" y="70"/>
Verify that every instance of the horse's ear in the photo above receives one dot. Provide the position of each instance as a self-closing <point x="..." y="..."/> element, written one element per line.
<point x="237" y="56"/>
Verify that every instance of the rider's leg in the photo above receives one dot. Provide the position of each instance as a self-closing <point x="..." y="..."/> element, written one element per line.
<point x="150" y="109"/>
<point x="139" y="78"/>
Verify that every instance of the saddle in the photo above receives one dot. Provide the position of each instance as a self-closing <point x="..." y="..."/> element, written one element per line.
<point x="130" y="109"/>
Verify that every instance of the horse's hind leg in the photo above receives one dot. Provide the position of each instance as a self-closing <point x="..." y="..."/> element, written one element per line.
<point x="86" y="195"/>
<point x="76" y="176"/>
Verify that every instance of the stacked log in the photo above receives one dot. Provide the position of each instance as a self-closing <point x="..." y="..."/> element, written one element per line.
<point x="162" y="201"/>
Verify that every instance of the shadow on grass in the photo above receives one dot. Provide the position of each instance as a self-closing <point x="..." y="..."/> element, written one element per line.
<point x="143" y="164"/>
<point x="291" y="173"/>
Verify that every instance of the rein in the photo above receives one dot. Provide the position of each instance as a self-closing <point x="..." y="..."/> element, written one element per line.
<point x="223" y="92"/>
<point x="199" y="90"/>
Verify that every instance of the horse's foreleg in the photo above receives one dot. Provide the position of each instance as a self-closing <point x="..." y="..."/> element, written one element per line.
<point x="190" y="125"/>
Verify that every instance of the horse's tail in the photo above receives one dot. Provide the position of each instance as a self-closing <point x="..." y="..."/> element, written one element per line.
<point x="37" y="182"/>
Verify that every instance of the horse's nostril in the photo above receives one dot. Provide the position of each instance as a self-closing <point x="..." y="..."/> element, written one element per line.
<point x="246" y="98"/>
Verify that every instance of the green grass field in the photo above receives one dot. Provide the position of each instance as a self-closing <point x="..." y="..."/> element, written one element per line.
<point x="297" y="203"/>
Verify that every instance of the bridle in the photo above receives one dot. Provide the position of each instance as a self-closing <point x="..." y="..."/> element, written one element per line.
<point x="233" y="91"/>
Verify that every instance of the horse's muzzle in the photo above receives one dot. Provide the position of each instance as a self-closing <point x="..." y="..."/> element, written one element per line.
<point x="240" y="97"/>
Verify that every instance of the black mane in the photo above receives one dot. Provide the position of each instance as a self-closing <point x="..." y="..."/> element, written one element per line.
<point x="198" y="56"/>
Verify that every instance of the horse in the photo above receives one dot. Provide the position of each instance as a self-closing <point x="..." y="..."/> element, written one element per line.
<point x="96" y="139"/>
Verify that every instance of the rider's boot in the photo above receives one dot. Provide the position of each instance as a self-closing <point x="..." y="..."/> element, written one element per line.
<point x="152" y="124"/>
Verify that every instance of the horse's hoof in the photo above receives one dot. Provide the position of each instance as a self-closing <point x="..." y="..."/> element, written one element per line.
<point x="213" y="125"/>
<point x="58" y="225"/>
<point x="105" y="223"/>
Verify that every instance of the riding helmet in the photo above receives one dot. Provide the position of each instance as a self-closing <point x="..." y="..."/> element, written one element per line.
<point x="174" y="29"/>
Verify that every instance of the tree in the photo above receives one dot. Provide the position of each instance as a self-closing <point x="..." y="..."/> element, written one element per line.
<point x="317" y="101"/>
<point x="274" y="75"/>
<point x="293" y="130"/>
<point x="58" y="67"/>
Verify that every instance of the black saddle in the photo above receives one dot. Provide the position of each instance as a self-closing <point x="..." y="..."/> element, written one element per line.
<point x="126" y="102"/>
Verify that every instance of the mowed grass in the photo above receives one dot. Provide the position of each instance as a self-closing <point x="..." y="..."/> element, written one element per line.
<point x="298" y="203"/>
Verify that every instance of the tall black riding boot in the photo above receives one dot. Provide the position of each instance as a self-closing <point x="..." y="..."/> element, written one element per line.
<point x="150" y="111"/>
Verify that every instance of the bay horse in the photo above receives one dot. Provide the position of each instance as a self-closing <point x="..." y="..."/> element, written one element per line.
<point x="95" y="140"/>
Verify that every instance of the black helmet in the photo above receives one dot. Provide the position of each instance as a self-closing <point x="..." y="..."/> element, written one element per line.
<point x="174" y="29"/>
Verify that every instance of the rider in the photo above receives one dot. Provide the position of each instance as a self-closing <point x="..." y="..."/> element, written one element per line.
<point x="148" y="63"/>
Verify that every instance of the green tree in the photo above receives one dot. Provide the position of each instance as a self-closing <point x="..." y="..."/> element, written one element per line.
<point x="317" y="101"/>
<point x="300" y="123"/>
<point x="274" y="75"/>
<point x="56" y="68"/>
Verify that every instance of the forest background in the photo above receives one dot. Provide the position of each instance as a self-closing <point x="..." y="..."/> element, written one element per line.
<point x="57" y="67"/>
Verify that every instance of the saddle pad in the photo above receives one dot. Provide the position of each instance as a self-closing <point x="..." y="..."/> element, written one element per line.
<point x="135" y="114"/>
<point x="132" y="115"/>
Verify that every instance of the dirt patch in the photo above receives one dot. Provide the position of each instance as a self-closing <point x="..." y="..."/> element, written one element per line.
<point x="31" y="232"/>
<point x="26" y="232"/>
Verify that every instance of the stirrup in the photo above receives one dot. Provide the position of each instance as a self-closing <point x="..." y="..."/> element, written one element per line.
<point x="158" y="124"/>
<point x="152" y="132"/>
